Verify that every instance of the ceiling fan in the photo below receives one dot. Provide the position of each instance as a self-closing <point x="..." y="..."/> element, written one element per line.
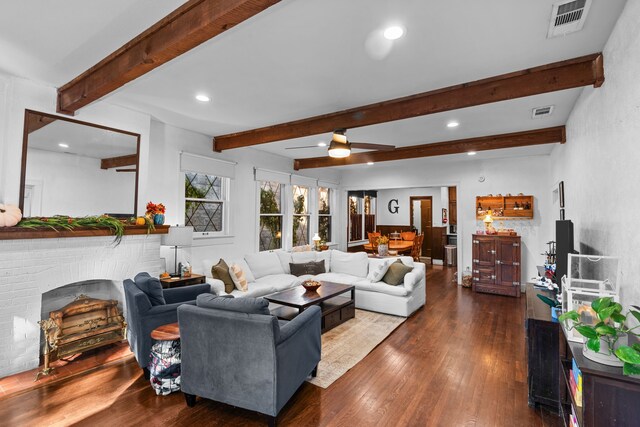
<point x="340" y="146"/>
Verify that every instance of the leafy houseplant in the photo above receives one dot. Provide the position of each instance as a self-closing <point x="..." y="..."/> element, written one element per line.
<point x="608" y="331"/>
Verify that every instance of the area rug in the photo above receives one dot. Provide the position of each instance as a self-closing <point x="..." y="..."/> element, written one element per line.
<point x="346" y="345"/>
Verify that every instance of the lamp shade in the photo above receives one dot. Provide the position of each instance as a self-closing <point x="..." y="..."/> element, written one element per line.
<point x="178" y="236"/>
<point x="316" y="238"/>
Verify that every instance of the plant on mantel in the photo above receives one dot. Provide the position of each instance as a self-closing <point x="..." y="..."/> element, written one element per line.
<point x="611" y="327"/>
<point x="62" y="222"/>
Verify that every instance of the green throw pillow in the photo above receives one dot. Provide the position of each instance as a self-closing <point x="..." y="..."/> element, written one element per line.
<point x="220" y="271"/>
<point x="395" y="274"/>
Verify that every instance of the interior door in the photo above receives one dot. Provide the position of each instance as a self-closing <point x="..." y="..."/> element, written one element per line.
<point x="426" y="224"/>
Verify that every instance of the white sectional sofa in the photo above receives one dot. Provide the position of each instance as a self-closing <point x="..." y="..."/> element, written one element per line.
<point x="269" y="272"/>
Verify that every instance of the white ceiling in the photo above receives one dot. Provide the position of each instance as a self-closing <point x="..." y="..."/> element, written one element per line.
<point x="307" y="57"/>
<point x="54" y="41"/>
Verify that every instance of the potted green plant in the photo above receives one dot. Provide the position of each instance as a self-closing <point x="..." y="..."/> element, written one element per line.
<point x="607" y="341"/>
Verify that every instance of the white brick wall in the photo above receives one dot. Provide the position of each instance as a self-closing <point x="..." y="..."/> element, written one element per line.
<point x="28" y="268"/>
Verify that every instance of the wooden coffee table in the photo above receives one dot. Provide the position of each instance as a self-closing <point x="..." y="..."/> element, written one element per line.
<point x="336" y="307"/>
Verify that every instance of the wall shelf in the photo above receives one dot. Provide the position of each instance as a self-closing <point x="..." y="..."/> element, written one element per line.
<point x="14" y="233"/>
<point x="505" y="207"/>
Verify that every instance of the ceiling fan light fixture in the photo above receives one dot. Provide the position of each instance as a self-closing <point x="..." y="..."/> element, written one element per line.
<point x="339" y="150"/>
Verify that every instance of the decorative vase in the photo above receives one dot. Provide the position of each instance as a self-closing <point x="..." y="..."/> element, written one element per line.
<point x="604" y="356"/>
<point x="383" y="250"/>
<point x="158" y="219"/>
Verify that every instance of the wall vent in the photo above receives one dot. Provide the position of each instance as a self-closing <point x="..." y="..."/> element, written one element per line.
<point x="568" y="17"/>
<point x="542" y="112"/>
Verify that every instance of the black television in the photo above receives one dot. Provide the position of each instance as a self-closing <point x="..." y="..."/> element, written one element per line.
<point x="564" y="247"/>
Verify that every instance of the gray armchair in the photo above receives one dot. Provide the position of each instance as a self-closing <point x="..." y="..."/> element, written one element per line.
<point x="245" y="359"/>
<point x="143" y="317"/>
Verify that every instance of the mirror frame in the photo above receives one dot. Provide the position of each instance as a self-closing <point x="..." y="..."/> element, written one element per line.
<point x="25" y="141"/>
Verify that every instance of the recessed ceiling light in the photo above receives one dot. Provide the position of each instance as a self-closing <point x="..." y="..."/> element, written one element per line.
<point x="322" y="144"/>
<point x="393" y="33"/>
<point x="63" y="145"/>
<point x="453" y="124"/>
<point x="203" y="98"/>
<point x="369" y="163"/>
<point x="471" y="153"/>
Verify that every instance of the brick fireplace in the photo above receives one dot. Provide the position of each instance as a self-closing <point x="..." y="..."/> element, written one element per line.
<point x="30" y="268"/>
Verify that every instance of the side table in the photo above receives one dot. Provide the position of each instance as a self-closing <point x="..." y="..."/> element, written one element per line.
<point x="164" y="363"/>
<point x="176" y="282"/>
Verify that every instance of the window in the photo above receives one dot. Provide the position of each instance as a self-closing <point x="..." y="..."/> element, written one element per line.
<point x="300" y="215"/>
<point x="270" y="215"/>
<point x="324" y="213"/>
<point x="362" y="214"/>
<point x="205" y="198"/>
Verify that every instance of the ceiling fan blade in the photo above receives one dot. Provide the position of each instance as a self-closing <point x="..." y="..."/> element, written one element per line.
<point x="368" y="146"/>
<point x="306" y="146"/>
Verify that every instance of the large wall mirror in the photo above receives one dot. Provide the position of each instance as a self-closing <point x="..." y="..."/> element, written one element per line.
<point x="76" y="168"/>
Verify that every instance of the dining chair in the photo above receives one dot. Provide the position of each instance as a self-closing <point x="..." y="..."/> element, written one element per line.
<point x="408" y="235"/>
<point x="416" y="250"/>
<point x="373" y="240"/>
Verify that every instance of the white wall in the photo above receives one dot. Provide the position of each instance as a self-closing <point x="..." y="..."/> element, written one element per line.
<point x="528" y="175"/>
<point x="384" y="217"/>
<point x="23" y="94"/>
<point x="168" y="187"/>
<point x="76" y="186"/>
<point x="600" y="165"/>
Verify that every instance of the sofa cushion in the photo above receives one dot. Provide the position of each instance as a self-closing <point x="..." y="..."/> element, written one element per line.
<point x="396" y="272"/>
<point x="278" y="282"/>
<point x="344" y="279"/>
<point x="263" y="264"/>
<point x="326" y="256"/>
<point x="151" y="286"/>
<point x="310" y="267"/>
<point x="238" y="277"/>
<point x="355" y="264"/>
<point x="241" y="305"/>
<point x="381" y="287"/>
<point x="302" y="257"/>
<point x="285" y="259"/>
<point x="378" y="268"/>
<point x="220" y="271"/>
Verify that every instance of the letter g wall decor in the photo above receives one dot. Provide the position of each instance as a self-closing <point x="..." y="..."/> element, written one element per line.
<point x="393" y="206"/>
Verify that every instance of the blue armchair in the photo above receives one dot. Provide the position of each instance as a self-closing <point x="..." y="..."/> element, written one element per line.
<point x="143" y="317"/>
<point x="244" y="359"/>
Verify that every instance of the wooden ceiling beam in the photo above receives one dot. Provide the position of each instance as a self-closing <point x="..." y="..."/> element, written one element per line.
<point x="568" y="74"/>
<point x="494" y="142"/>
<point x="188" y="26"/>
<point x="116" y="162"/>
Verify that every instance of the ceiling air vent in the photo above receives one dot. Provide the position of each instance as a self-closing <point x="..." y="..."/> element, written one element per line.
<point x="542" y="112"/>
<point x="568" y="17"/>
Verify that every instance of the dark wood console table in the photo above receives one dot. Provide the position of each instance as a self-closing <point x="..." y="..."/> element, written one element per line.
<point x="542" y="337"/>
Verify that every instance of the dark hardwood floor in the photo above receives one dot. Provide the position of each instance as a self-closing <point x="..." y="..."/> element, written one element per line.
<point x="459" y="361"/>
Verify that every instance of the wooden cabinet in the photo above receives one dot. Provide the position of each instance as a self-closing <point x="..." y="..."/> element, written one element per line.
<point x="439" y="239"/>
<point x="496" y="264"/>
<point x="517" y="207"/>
<point x="543" y="360"/>
<point x="453" y="206"/>
<point x="609" y="398"/>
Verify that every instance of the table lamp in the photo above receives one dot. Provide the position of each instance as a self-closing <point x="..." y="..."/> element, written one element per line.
<point x="316" y="241"/>
<point x="488" y="220"/>
<point x="176" y="237"/>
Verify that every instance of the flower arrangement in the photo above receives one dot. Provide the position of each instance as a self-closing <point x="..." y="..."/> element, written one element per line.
<point x="383" y="240"/>
<point x="153" y="209"/>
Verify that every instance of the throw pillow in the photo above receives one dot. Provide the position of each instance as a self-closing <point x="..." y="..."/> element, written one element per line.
<point x="355" y="264"/>
<point x="220" y="271"/>
<point x="395" y="275"/>
<point x="311" y="267"/>
<point x="378" y="268"/>
<point x="151" y="286"/>
<point x="237" y="275"/>
<point x="241" y="305"/>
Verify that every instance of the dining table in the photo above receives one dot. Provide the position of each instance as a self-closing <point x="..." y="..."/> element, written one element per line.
<point x="394" y="245"/>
